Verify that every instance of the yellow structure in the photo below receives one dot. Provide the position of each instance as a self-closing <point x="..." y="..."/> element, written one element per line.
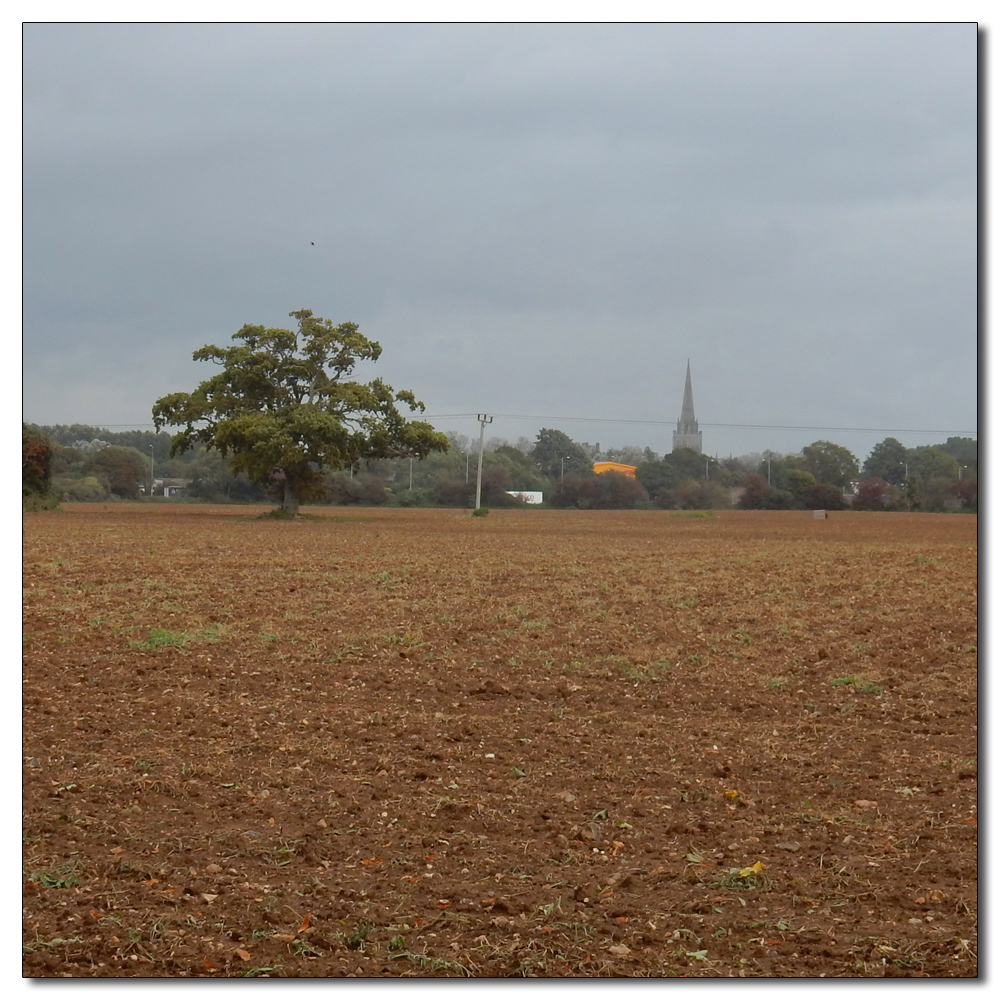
<point x="625" y="470"/>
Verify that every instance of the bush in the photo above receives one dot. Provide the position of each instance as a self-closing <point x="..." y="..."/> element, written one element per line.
<point x="872" y="494"/>
<point x="123" y="469"/>
<point x="448" y="491"/>
<point x="966" y="491"/>
<point x="362" y="490"/>
<point x="757" y="495"/>
<point x="413" y="498"/>
<point x="36" y="462"/>
<point x="33" y="503"/>
<point x="79" y="489"/>
<point x="823" y="496"/>
<point x="699" y="494"/>
<point x="608" y="491"/>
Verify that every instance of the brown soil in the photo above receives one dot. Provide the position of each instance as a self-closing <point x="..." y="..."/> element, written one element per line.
<point x="414" y="743"/>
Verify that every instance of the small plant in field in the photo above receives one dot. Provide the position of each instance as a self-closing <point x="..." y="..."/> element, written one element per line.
<point x="40" y="942"/>
<point x="303" y="948"/>
<point x="637" y="672"/>
<point x="436" y="964"/>
<point x="860" y="684"/>
<point x="259" y="970"/>
<point x="481" y="512"/>
<point x="62" y="877"/>
<point x="359" y="935"/>
<point x="744" y="879"/>
<point x="407" y="640"/>
<point x="580" y="932"/>
<point x="777" y="682"/>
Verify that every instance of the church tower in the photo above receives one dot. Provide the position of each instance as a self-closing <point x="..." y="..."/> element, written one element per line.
<point x="687" y="434"/>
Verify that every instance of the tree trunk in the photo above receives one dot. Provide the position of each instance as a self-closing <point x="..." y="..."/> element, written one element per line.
<point x="290" y="504"/>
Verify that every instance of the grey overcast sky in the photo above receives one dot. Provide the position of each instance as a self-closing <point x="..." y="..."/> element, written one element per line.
<point x="531" y="219"/>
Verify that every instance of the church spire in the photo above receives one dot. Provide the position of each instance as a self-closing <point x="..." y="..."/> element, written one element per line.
<point x="687" y="407"/>
<point x="687" y="434"/>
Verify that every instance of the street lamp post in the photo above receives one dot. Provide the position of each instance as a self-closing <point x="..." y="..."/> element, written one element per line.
<point x="151" y="472"/>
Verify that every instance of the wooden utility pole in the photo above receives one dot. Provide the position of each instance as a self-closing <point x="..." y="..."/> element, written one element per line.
<point x="483" y="421"/>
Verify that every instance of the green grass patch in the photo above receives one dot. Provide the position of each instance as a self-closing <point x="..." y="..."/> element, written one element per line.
<point x="160" y="638"/>
<point x="639" y="672"/>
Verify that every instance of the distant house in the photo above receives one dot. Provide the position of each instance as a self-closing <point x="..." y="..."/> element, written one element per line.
<point x="625" y="470"/>
<point x="171" y="487"/>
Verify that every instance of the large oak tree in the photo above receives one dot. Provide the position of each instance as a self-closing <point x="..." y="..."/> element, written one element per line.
<point x="282" y="407"/>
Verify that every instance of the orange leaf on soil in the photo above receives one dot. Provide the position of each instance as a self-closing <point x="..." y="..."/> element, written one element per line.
<point x="305" y="923"/>
<point x="245" y="955"/>
<point x="209" y="964"/>
<point x="622" y="920"/>
<point x="371" y="861"/>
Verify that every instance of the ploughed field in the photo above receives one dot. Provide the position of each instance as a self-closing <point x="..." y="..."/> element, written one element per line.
<point x="543" y="743"/>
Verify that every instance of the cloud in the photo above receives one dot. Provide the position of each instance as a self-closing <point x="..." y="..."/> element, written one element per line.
<point x="523" y="213"/>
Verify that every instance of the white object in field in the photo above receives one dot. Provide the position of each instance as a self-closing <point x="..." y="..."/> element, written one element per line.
<point x="528" y="496"/>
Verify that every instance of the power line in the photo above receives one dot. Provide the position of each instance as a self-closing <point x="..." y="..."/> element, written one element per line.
<point x="659" y="423"/>
<point x="702" y="423"/>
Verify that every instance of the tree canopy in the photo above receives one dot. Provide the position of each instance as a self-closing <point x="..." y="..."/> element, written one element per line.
<point x="558" y="455"/>
<point x="830" y="463"/>
<point x="887" y="461"/>
<point x="122" y="469"/>
<point x="282" y="408"/>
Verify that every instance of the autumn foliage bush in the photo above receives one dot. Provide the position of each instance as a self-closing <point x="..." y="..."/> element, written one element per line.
<point x="36" y="462"/>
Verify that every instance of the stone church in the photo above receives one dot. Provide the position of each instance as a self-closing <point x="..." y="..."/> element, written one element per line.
<point x="687" y="434"/>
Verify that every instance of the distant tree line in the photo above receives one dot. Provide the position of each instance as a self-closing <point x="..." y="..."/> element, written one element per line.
<point x="82" y="462"/>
